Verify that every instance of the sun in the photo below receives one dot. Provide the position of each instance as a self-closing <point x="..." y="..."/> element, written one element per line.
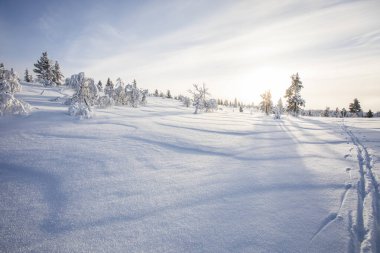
<point x="259" y="80"/>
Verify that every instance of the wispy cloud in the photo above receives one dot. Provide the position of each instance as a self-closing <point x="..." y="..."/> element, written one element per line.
<point x="238" y="48"/>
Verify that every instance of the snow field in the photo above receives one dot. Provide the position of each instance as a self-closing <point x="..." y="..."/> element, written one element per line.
<point x="161" y="179"/>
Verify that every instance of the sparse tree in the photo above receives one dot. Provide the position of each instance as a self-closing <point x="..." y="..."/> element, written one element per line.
<point x="266" y="104"/>
<point x="43" y="69"/>
<point x="343" y="112"/>
<point x="369" y="114"/>
<point x="279" y="109"/>
<point x="109" y="89"/>
<point x="326" y="112"/>
<point x="27" y="76"/>
<point x="2" y="69"/>
<point x="57" y="74"/>
<point x="355" y="107"/>
<point x="337" y="112"/>
<point x="100" y="86"/>
<point x="168" y="95"/>
<point x="293" y="96"/>
<point x="199" y="97"/>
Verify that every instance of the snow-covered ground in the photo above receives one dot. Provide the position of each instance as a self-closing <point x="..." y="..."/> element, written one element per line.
<point x="161" y="179"/>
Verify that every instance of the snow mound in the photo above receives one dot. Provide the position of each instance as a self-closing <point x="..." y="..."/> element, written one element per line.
<point x="9" y="105"/>
<point x="80" y="110"/>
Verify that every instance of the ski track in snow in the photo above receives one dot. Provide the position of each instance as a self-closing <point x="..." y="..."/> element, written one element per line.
<point x="368" y="197"/>
<point x="161" y="179"/>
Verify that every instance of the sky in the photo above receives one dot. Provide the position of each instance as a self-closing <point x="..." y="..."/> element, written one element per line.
<point x="237" y="48"/>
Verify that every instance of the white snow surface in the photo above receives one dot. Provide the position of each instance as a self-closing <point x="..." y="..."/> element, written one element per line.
<point x="160" y="179"/>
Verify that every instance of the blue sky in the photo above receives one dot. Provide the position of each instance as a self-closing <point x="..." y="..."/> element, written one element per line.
<point x="238" y="48"/>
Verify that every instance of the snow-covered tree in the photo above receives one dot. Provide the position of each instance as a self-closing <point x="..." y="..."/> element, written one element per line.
<point x="156" y="94"/>
<point x="120" y="95"/>
<point x="44" y="70"/>
<point x="199" y="97"/>
<point x="109" y="89"/>
<point x="100" y="86"/>
<point x="168" y="95"/>
<point x="27" y="77"/>
<point x="9" y="84"/>
<point x="355" y="107"/>
<point x="293" y="96"/>
<point x="279" y="109"/>
<point x="211" y="105"/>
<point x="266" y="104"/>
<point x="369" y="114"/>
<point x="85" y="97"/>
<point x="337" y="112"/>
<point x="326" y="112"/>
<point x="2" y="69"/>
<point x="75" y="81"/>
<point x="57" y="74"/>
<point x="343" y="112"/>
<point x="186" y="101"/>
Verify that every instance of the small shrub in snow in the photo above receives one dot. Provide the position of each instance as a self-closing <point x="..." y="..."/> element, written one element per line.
<point x="185" y="100"/>
<point x="105" y="101"/>
<point x="211" y="105"/>
<point x="82" y="110"/>
<point x="130" y="95"/>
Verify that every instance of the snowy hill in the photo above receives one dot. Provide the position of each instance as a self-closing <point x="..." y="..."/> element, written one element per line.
<point x="161" y="179"/>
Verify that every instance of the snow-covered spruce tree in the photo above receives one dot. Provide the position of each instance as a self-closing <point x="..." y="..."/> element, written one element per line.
<point x="27" y="77"/>
<point x="355" y="107"/>
<point x="120" y="95"/>
<point x="109" y="89"/>
<point x="293" y="96"/>
<point x="57" y="74"/>
<point x="266" y="104"/>
<point x="44" y="70"/>
<point x="199" y="97"/>
<point x="156" y="94"/>
<point x="9" y="84"/>
<point x="279" y="109"/>
<point x="100" y="86"/>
